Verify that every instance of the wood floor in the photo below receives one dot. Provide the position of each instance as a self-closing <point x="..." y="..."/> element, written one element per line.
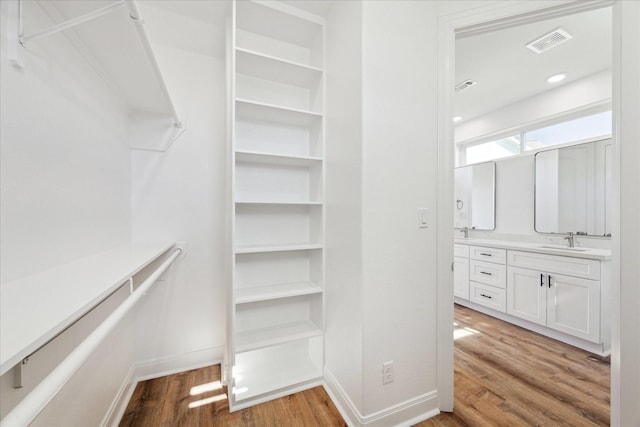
<point x="504" y="376"/>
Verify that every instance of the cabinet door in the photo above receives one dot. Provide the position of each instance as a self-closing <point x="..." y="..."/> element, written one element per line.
<point x="527" y="294"/>
<point x="461" y="277"/>
<point x="573" y="306"/>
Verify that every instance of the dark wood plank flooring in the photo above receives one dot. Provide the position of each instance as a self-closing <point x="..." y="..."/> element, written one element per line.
<point x="504" y="376"/>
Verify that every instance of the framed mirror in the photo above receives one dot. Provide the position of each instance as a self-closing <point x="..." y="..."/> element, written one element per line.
<point x="475" y="201"/>
<point x="573" y="189"/>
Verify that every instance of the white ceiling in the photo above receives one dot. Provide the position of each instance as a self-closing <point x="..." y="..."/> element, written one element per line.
<point x="507" y="72"/>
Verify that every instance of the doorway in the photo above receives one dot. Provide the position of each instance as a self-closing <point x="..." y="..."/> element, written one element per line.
<point x="508" y="15"/>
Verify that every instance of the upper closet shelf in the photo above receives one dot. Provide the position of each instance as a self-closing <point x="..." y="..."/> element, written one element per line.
<point x="111" y="35"/>
<point x="37" y="308"/>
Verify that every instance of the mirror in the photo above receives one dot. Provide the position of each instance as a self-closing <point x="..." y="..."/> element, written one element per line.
<point x="474" y="189"/>
<point x="573" y="189"/>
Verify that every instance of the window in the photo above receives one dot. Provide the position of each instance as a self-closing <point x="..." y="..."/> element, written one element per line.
<point x="492" y="150"/>
<point x="593" y="126"/>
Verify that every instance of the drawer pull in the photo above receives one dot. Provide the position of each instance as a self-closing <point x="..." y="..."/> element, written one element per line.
<point x="485" y="254"/>
<point x="486" y="296"/>
<point x="486" y="273"/>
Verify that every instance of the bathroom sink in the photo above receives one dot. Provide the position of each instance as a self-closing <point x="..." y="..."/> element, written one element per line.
<point x="563" y="248"/>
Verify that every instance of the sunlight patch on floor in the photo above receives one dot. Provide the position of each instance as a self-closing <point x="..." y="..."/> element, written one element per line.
<point x="463" y="332"/>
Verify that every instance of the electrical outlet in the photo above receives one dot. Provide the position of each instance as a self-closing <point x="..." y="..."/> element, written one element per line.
<point x="387" y="372"/>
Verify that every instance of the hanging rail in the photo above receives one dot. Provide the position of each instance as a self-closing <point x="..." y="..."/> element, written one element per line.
<point x="29" y="407"/>
<point x="134" y="14"/>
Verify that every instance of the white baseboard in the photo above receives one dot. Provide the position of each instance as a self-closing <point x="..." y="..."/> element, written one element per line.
<point x="403" y="414"/>
<point x="156" y="368"/>
<point x="173" y="364"/>
<point x="120" y="402"/>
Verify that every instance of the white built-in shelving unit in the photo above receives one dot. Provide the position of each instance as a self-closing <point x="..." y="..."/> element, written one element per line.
<point x="277" y="174"/>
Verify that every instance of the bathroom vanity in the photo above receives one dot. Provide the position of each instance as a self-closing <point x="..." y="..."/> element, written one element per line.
<point x="559" y="292"/>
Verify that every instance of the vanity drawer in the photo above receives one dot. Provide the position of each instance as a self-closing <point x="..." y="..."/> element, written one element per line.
<point x="577" y="267"/>
<point x="488" y="273"/>
<point x="488" y="254"/>
<point x="488" y="296"/>
<point x="461" y="250"/>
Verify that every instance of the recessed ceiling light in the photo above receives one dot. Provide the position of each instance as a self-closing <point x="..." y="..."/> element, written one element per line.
<point x="457" y="119"/>
<point x="556" y="78"/>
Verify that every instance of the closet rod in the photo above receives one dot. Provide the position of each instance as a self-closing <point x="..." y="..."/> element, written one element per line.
<point x="29" y="407"/>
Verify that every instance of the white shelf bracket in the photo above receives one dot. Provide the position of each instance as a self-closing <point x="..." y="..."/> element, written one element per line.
<point x="17" y="373"/>
<point x="15" y="48"/>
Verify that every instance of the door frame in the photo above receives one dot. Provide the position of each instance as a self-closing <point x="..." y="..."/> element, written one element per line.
<point x="626" y="206"/>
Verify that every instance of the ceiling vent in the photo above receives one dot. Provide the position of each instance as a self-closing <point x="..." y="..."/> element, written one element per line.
<point x="549" y="41"/>
<point x="465" y="84"/>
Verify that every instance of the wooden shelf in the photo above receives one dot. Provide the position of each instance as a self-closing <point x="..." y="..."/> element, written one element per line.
<point x="259" y="202"/>
<point x="270" y="369"/>
<point x="275" y="113"/>
<point x="282" y="290"/>
<point x="34" y="309"/>
<point x="275" y="69"/>
<point x="275" y="159"/>
<point x="277" y="248"/>
<point x="279" y="30"/>
<point x="267" y="337"/>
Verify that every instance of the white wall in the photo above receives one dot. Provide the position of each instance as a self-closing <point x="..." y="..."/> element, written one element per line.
<point x="65" y="170"/>
<point x="389" y="272"/>
<point x="178" y="195"/>
<point x="65" y="181"/>
<point x="399" y="175"/>
<point x="343" y="276"/>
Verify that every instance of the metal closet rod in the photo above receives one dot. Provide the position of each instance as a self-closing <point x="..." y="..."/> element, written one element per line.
<point x="134" y="13"/>
<point x="29" y="407"/>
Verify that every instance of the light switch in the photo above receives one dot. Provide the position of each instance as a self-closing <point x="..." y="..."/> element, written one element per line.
<point x="423" y="218"/>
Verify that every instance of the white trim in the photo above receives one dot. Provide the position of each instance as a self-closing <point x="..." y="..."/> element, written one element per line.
<point x="119" y="405"/>
<point x="447" y="27"/>
<point x="156" y="368"/>
<point x="406" y="413"/>
<point x="625" y="293"/>
<point x="169" y="365"/>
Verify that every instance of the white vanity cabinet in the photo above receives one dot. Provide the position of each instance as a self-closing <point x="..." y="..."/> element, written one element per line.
<point x="558" y="292"/>
<point x="540" y="291"/>
<point x="461" y="271"/>
<point x="487" y="277"/>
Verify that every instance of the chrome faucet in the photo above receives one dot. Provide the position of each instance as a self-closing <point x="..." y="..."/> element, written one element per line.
<point x="572" y="239"/>
<point x="465" y="230"/>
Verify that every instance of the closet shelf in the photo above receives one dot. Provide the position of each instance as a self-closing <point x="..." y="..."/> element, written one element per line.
<point x="273" y="158"/>
<point x="267" y="337"/>
<point x="275" y="113"/>
<point x="36" y="308"/>
<point x="263" y="202"/>
<point x="269" y="67"/>
<point x="111" y="35"/>
<point x="281" y="290"/>
<point x="277" y="248"/>
<point x="267" y="370"/>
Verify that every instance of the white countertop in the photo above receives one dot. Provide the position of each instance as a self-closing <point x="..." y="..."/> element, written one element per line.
<point x="35" y="308"/>
<point x="543" y="248"/>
